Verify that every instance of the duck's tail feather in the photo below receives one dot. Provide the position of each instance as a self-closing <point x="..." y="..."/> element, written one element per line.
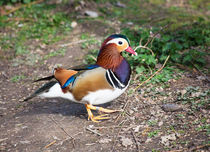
<point x="45" y="88"/>
<point x="45" y="78"/>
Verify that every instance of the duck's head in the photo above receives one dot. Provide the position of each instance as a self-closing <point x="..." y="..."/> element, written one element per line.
<point x="110" y="56"/>
<point x="119" y="43"/>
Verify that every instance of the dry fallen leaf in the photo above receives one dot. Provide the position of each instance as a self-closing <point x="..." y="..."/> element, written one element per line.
<point x="126" y="141"/>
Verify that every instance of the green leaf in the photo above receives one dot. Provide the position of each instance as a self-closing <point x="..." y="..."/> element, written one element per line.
<point x="140" y="69"/>
<point x="26" y="1"/>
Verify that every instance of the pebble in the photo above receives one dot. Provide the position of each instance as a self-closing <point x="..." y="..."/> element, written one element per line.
<point x="91" y="13"/>
<point x="148" y="140"/>
<point x="171" y="107"/>
<point x="130" y="23"/>
<point x="73" y="24"/>
<point x="126" y="141"/>
<point x="183" y="92"/>
<point x="25" y="142"/>
<point x="119" y="4"/>
<point x="104" y="141"/>
<point x="160" y="123"/>
<point x="137" y="128"/>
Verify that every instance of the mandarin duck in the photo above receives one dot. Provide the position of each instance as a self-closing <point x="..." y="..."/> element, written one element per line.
<point x="94" y="84"/>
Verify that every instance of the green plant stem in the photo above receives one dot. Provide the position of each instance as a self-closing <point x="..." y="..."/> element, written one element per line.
<point x="153" y="74"/>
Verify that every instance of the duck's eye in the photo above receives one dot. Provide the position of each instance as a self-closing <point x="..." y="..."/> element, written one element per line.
<point x="120" y="42"/>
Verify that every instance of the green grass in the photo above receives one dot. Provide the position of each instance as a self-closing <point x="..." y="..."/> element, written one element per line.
<point x="157" y="12"/>
<point x="17" y="78"/>
<point x="195" y="97"/>
<point x="152" y="122"/>
<point x="204" y="127"/>
<point x="61" y="52"/>
<point x="186" y="40"/>
<point x="37" y="23"/>
<point x="153" y="133"/>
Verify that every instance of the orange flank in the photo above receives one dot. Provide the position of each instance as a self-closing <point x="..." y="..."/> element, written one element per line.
<point x="62" y="75"/>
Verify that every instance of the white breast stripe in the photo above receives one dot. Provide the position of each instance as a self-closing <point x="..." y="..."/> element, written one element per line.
<point x="110" y="79"/>
<point x="122" y="85"/>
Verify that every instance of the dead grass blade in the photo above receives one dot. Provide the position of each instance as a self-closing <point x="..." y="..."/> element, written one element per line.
<point x="153" y="74"/>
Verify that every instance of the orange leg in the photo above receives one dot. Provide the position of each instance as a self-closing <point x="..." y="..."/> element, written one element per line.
<point x="90" y="107"/>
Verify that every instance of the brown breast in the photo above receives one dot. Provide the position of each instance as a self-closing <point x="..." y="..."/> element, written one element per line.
<point x="90" y="81"/>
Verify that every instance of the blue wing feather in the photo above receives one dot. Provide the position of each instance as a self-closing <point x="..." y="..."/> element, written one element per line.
<point x="73" y="77"/>
<point x="70" y="80"/>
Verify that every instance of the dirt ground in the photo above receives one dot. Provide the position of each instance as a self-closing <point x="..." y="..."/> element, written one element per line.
<point x="154" y="118"/>
<point x="60" y="125"/>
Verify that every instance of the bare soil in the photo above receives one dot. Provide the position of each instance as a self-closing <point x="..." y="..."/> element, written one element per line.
<point x="52" y="125"/>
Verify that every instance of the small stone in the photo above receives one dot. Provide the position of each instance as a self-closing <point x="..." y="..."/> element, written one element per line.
<point x="131" y="111"/>
<point x="82" y="3"/>
<point x="119" y="4"/>
<point x="90" y="126"/>
<point x="136" y="129"/>
<point x="91" y="13"/>
<point x="130" y="23"/>
<point x="43" y="46"/>
<point x="23" y="127"/>
<point x="170" y="107"/>
<point x="104" y="141"/>
<point x="20" y="25"/>
<point x="152" y="112"/>
<point x="73" y="24"/>
<point x="25" y="142"/>
<point x="38" y="50"/>
<point x="148" y="140"/>
<point x="160" y="123"/>
<point x="132" y="118"/>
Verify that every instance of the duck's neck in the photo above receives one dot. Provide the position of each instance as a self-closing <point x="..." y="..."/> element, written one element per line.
<point x="123" y="72"/>
<point x="111" y="59"/>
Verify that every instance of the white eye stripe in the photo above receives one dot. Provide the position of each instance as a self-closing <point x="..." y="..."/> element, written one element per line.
<point x="117" y="40"/>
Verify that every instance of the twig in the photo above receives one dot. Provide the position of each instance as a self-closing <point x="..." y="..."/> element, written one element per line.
<point x="122" y="123"/>
<point x="137" y="145"/>
<point x="93" y="57"/>
<point x="200" y="147"/>
<point x="200" y="72"/>
<point x="192" y="149"/>
<point x="151" y="38"/>
<point x="75" y="42"/>
<point x="93" y="131"/>
<point x="63" y="130"/>
<point x="153" y="74"/>
<point x="22" y="6"/>
<point x="149" y="69"/>
<point x="123" y="109"/>
<point x="144" y="47"/>
<point x="69" y="138"/>
<point x="50" y="144"/>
